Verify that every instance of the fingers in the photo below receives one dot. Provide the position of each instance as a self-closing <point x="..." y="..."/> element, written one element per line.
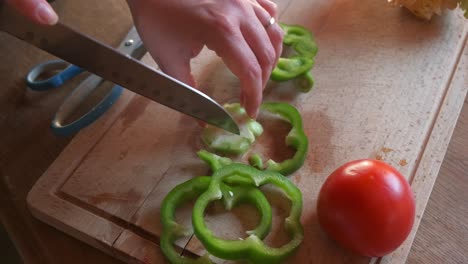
<point x="240" y="59"/>
<point x="274" y="31"/>
<point x="270" y="7"/>
<point x="39" y="11"/>
<point x="259" y="42"/>
<point x="177" y="66"/>
<point x="250" y="50"/>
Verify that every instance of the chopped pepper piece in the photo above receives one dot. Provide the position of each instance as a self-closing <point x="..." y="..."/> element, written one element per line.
<point x="256" y="161"/>
<point x="290" y="68"/>
<point x="191" y="189"/>
<point x="215" y="162"/>
<point x="305" y="48"/>
<point x="296" y="138"/>
<point x="293" y="33"/>
<point x="252" y="248"/>
<point x="220" y="140"/>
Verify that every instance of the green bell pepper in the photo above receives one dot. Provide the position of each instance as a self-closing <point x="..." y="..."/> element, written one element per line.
<point x="256" y="161"/>
<point x="220" y="140"/>
<point x="191" y="189"/>
<point x="290" y="68"/>
<point x="298" y="65"/>
<point x="305" y="82"/>
<point x="294" y="33"/>
<point x="252" y="248"/>
<point x="296" y="137"/>
<point x="305" y="48"/>
<point x="215" y="162"/>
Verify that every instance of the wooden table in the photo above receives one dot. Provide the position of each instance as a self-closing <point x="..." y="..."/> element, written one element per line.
<point x="28" y="148"/>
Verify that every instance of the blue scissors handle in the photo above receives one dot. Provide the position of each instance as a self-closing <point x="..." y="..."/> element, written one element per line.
<point x="59" y="127"/>
<point x="65" y="70"/>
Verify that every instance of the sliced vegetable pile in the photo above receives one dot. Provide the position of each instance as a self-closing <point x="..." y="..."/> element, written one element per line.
<point x="298" y="65"/>
<point x="252" y="248"/>
<point x="234" y="183"/>
<point x="225" y="143"/>
<point x="194" y="188"/>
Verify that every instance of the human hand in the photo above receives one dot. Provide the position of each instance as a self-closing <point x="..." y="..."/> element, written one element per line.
<point x="39" y="11"/>
<point x="175" y="31"/>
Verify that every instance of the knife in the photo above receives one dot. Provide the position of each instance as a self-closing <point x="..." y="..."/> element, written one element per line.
<point x="105" y="61"/>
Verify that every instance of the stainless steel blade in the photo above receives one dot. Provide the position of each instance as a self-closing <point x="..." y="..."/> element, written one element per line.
<point x="102" y="60"/>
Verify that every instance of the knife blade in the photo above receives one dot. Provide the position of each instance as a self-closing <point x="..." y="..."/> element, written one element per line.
<point x="105" y="61"/>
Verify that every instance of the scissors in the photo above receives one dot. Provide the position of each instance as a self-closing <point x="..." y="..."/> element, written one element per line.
<point x="130" y="45"/>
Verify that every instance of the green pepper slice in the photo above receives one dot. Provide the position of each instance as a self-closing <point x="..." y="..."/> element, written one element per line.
<point x="215" y="162"/>
<point x="296" y="137"/>
<point x="294" y="33"/>
<point x="305" y="82"/>
<point x="191" y="189"/>
<point x="297" y="66"/>
<point x="220" y="140"/>
<point x="256" y="161"/>
<point x="305" y="48"/>
<point x="290" y="68"/>
<point x="252" y="248"/>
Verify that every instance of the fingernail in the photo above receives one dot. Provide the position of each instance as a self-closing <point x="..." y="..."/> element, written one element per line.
<point x="254" y="114"/>
<point x="46" y="14"/>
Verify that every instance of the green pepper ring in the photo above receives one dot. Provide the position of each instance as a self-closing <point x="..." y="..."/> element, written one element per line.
<point x="305" y="82"/>
<point x="305" y="48"/>
<point x="290" y="68"/>
<point x="293" y="33"/>
<point x="296" y="138"/>
<point x="252" y="248"/>
<point x="193" y="188"/>
<point x="302" y="42"/>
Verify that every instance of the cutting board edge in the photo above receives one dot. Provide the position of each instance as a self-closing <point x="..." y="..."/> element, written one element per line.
<point x="435" y="148"/>
<point x="42" y="198"/>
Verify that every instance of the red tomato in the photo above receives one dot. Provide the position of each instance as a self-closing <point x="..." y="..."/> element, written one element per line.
<point x="366" y="206"/>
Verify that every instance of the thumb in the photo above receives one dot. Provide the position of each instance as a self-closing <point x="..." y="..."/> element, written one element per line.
<point x="39" y="11"/>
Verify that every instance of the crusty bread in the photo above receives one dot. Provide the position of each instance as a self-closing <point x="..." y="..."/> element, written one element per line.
<point x="426" y="8"/>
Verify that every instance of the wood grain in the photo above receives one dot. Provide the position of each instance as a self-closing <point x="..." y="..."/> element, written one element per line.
<point x="444" y="221"/>
<point x="110" y="198"/>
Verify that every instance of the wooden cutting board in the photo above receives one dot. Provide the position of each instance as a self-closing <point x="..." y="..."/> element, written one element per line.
<point x="388" y="86"/>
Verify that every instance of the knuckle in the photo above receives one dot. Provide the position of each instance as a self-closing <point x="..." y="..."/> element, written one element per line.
<point x="222" y="24"/>
<point x="269" y="56"/>
<point x="252" y="72"/>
